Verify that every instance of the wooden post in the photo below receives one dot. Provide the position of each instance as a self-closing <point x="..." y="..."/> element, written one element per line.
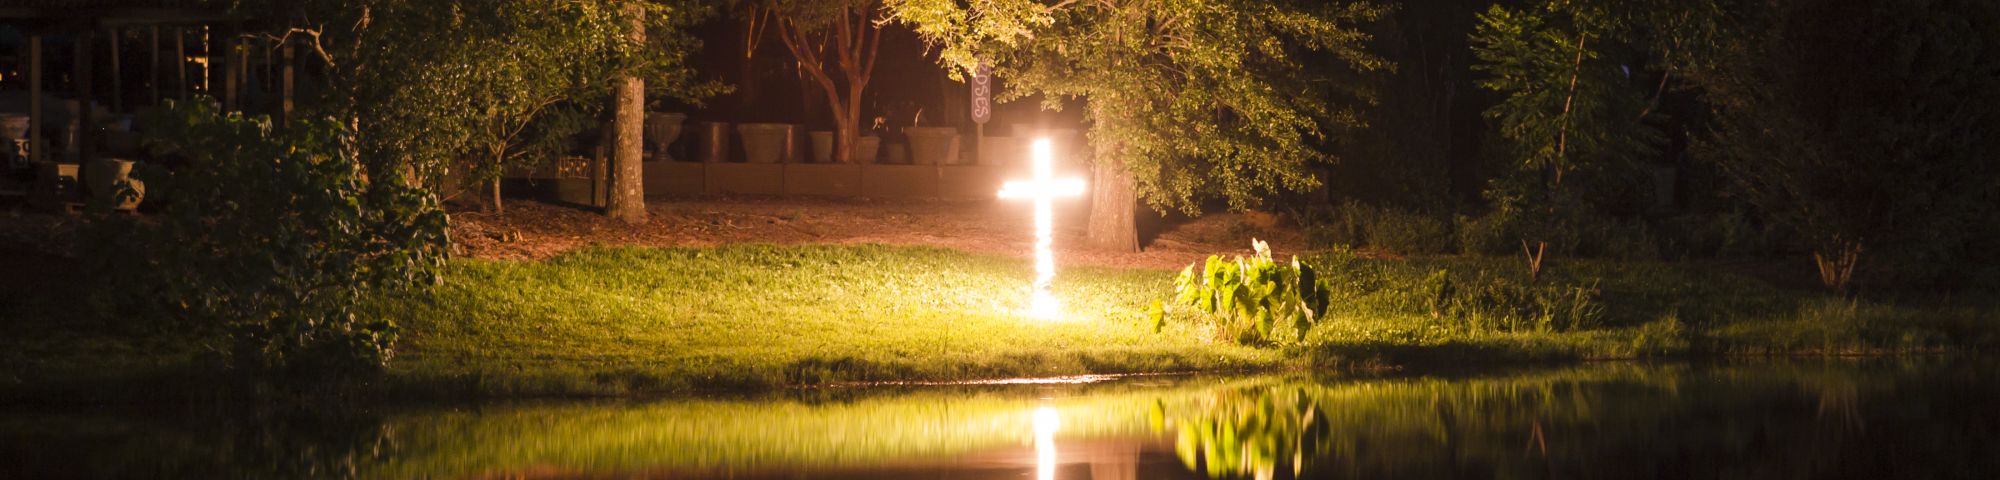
<point x="117" y="75"/>
<point x="80" y="140"/>
<point x="153" y="72"/>
<point x="228" y="72"/>
<point x="286" y="112"/>
<point x="37" y="139"/>
<point x="180" y="63"/>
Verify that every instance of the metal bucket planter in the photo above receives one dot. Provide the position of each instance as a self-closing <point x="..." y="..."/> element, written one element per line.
<point x="112" y="178"/>
<point x="933" y="145"/>
<point x="766" y="142"/>
<point x="711" y="142"/>
<point x="662" y="128"/>
<point x="822" y="146"/>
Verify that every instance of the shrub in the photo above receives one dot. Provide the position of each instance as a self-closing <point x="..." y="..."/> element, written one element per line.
<point x="1247" y="299"/>
<point x="1487" y="235"/>
<point x="270" y="238"/>
<point x="1408" y="233"/>
<point x="1357" y="224"/>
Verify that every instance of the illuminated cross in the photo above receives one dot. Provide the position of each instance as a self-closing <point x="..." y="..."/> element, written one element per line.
<point x="1043" y="189"/>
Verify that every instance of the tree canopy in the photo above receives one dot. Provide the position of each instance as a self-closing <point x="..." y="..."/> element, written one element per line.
<point x="1194" y="99"/>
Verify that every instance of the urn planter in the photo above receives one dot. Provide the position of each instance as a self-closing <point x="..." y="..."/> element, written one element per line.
<point x="112" y="178"/>
<point x="662" y="129"/>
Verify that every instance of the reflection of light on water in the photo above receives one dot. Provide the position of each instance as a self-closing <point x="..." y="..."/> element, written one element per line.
<point x="1046" y="424"/>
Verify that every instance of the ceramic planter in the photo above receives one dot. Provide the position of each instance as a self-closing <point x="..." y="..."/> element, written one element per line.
<point x="822" y="147"/>
<point x="866" y="149"/>
<point x="766" y="142"/>
<point x="662" y="129"/>
<point x="933" y="145"/>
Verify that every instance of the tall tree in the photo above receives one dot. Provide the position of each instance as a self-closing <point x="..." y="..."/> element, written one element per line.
<point x="1186" y="99"/>
<point x="835" y="43"/>
<point x="1867" y="126"/>
<point x="1570" y="102"/>
<point x="627" y="202"/>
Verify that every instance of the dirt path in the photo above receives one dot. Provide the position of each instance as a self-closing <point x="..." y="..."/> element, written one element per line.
<point x="532" y="230"/>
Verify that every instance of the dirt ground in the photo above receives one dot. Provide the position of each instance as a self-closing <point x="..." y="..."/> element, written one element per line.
<point x="534" y="230"/>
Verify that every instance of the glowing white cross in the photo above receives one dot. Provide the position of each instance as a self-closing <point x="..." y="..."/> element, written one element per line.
<point x="1043" y="189"/>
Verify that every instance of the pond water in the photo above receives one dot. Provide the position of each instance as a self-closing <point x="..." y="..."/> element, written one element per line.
<point x="1906" y="418"/>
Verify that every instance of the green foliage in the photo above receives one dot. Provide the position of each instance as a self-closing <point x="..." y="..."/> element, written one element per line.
<point x="430" y="85"/>
<point x="1247" y="299"/>
<point x="1863" y="125"/>
<point x="1356" y="224"/>
<point x="1194" y="99"/>
<point x="270" y="237"/>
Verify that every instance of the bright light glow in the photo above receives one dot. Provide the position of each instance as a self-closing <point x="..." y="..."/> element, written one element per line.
<point x="1046" y="424"/>
<point x="1043" y="189"/>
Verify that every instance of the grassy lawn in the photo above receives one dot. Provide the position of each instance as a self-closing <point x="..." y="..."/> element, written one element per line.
<point x="625" y="321"/>
<point x="618" y="320"/>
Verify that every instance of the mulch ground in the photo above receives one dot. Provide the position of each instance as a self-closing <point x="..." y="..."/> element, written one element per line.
<point x="532" y="230"/>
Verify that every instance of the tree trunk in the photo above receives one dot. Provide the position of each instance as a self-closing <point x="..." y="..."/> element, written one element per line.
<point x="627" y="202"/>
<point x="495" y="201"/>
<point x="1113" y="227"/>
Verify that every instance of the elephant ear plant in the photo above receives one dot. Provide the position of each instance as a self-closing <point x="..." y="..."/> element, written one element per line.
<point x="1247" y="298"/>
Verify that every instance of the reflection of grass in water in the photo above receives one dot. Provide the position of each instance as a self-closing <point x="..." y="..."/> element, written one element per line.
<point x="1599" y="419"/>
<point x="1596" y="420"/>
<point x="710" y="436"/>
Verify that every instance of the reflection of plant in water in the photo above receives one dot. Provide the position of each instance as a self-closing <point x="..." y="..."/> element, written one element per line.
<point x="1249" y="431"/>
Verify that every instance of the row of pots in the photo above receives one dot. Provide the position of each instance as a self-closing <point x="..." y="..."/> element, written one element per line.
<point x="779" y="142"/>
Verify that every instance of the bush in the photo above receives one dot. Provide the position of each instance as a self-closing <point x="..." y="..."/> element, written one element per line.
<point x="270" y="238"/>
<point x="1487" y="235"/>
<point x="1247" y="299"/>
<point x="1356" y="224"/>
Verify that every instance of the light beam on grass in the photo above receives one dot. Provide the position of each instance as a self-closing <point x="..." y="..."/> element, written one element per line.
<point x="1043" y="188"/>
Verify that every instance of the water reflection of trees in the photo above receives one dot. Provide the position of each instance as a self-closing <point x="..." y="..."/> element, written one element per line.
<point x="1806" y="419"/>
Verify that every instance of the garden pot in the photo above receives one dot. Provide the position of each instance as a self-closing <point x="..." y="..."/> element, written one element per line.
<point x="766" y="142"/>
<point x="822" y="146"/>
<point x="933" y="145"/>
<point x="110" y="177"/>
<point x="896" y="154"/>
<point x="662" y="128"/>
<point x="13" y="126"/>
<point x="1003" y="151"/>
<point x="866" y="149"/>
<point x="710" y="142"/>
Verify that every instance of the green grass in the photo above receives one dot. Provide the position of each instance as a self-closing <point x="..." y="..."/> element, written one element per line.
<point x="646" y="321"/>
<point x="624" y="320"/>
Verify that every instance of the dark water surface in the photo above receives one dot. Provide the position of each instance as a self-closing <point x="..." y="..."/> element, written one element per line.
<point x="1904" y="418"/>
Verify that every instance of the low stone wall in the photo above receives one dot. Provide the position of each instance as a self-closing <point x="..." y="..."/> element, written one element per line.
<point x="828" y="179"/>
